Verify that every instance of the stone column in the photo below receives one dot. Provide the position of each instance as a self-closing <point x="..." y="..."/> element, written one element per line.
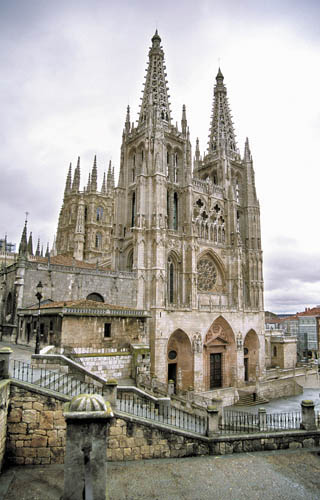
<point x="5" y="353"/>
<point x="308" y="416"/>
<point x="213" y="420"/>
<point x="85" y="474"/>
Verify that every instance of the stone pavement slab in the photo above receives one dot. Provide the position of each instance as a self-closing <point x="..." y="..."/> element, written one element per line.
<point x="275" y="475"/>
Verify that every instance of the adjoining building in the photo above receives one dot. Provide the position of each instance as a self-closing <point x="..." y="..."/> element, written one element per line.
<point x="178" y="238"/>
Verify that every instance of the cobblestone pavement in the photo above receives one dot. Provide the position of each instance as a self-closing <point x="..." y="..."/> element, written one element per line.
<point x="281" y="475"/>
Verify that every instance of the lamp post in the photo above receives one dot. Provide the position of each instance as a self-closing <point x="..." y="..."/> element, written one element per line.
<point x="39" y="297"/>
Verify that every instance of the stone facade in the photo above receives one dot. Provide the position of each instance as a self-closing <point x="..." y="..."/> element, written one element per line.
<point x="181" y="235"/>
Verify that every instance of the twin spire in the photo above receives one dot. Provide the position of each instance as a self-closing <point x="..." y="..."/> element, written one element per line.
<point x="155" y="98"/>
<point x="221" y="134"/>
<point x="92" y="185"/>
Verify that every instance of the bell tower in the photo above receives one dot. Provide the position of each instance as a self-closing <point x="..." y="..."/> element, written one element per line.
<point x="152" y="195"/>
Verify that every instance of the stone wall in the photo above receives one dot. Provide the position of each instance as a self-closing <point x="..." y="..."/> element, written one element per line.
<point x="84" y="331"/>
<point x="263" y="442"/>
<point x="116" y="365"/>
<point x="4" y="401"/>
<point x="36" y="427"/>
<point x="279" y="388"/>
<point x="129" y="439"/>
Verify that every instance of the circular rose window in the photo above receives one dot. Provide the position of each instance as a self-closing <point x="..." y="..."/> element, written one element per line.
<point x="207" y="275"/>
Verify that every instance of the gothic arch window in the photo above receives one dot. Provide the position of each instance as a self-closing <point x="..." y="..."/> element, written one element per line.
<point x="172" y="279"/>
<point x="130" y="260"/>
<point x="85" y="213"/>
<point x="133" y="168"/>
<point x="175" y="211"/>
<point x="98" y="241"/>
<point x="133" y="208"/>
<point x="9" y="304"/>
<point x="207" y="274"/>
<point x="171" y="282"/>
<point x="99" y="214"/>
<point x="175" y="168"/>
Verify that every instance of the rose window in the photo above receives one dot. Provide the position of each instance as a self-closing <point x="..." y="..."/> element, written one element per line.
<point x="207" y="275"/>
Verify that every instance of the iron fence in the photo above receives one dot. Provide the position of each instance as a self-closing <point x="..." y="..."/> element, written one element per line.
<point x="234" y="422"/>
<point x="161" y="412"/>
<point x="54" y="381"/>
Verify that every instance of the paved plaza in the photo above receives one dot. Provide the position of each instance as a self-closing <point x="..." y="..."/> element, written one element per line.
<point x="280" y="475"/>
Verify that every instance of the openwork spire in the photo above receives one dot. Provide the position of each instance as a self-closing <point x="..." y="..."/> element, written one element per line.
<point x="68" y="181"/>
<point x="94" y="175"/>
<point x="76" y="177"/>
<point x="155" y="92"/>
<point x="222" y="134"/>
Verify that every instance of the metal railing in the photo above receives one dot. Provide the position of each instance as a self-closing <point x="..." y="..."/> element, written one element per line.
<point x="236" y="422"/>
<point x="54" y="381"/>
<point x="166" y="414"/>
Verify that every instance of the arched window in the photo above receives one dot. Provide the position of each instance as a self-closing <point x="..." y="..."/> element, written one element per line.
<point x="98" y="240"/>
<point x="133" y="208"/>
<point x="175" y="211"/>
<point x="85" y="213"/>
<point x="171" y="282"/>
<point x="9" y="304"/>
<point x="130" y="260"/>
<point x="175" y="168"/>
<point x="133" y="168"/>
<point x="275" y="351"/>
<point x="96" y="297"/>
<point x="99" y="214"/>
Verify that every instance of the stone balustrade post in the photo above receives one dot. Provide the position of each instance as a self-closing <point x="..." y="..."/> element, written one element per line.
<point x="308" y="415"/>
<point x="213" y="420"/>
<point x="5" y="353"/>
<point x="164" y="405"/>
<point x="85" y="468"/>
<point x="170" y="387"/>
<point x="262" y="414"/>
<point x="109" y="391"/>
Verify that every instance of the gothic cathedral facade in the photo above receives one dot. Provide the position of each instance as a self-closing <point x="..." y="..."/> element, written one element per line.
<point x="188" y="229"/>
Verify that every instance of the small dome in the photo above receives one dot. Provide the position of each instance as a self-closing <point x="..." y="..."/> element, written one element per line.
<point x="88" y="402"/>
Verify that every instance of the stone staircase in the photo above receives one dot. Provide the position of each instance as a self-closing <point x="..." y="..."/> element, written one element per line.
<point x="250" y="399"/>
<point x="66" y="384"/>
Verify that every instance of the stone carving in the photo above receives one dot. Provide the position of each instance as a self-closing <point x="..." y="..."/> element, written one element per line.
<point x="197" y="343"/>
<point x="207" y="275"/>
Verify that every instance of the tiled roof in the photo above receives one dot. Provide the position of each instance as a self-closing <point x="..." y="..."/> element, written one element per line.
<point x="80" y="304"/>
<point x="65" y="260"/>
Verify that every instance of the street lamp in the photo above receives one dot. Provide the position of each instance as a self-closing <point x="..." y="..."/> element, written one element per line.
<point x="39" y="297"/>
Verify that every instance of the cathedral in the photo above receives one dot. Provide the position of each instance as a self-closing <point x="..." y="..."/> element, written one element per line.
<point x="177" y="237"/>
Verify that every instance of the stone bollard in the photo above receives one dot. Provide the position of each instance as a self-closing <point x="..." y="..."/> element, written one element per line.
<point x="308" y="416"/>
<point x="85" y="472"/>
<point x="5" y="353"/>
<point x="213" y="420"/>
<point x="262" y="414"/>
<point x="109" y="391"/>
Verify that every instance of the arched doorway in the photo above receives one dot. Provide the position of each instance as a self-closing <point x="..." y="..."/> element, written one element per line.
<point x="251" y="356"/>
<point x="220" y="355"/>
<point x="180" y="359"/>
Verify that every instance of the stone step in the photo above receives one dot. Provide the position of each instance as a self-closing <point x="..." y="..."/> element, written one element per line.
<point x="251" y="400"/>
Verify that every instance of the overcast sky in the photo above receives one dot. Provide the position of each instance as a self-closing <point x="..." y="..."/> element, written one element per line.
<point x="70" y="67"/>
